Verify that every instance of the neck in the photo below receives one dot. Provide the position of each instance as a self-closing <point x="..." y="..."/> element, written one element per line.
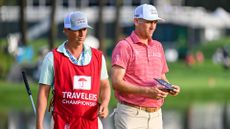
<point x="141" y="38"/>
<point x="75" y="50"/>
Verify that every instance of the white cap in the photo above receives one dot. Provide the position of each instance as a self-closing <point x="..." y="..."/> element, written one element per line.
<point x="76" y="21"/>
<point x="147" y="12"/>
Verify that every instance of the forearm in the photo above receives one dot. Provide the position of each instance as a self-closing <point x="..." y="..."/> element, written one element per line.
<point x="126" y="87"/>
<point x="104" y="98"/>
<point x="105" y="92"/>
<point x="41" y="108"/>
<point x="120" y="85"/>
<point x="145" y="91"/>
<point x="42" y="99"/>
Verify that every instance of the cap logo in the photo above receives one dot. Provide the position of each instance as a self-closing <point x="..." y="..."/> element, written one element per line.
<point x="78" y="21"/>
<point x="152" y="11"/>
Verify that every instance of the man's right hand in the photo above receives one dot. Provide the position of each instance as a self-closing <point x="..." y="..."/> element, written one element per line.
<point x="156" y="93"/>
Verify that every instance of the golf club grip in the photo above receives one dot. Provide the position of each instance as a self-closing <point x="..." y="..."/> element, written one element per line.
<point x="26" y="83"/>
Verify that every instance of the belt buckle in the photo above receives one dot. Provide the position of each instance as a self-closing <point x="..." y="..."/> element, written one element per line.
<point x="151" y="109"/>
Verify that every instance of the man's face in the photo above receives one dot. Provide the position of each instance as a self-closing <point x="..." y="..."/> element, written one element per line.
<point x="77" y="36"/>
<point x="145" y="28"/>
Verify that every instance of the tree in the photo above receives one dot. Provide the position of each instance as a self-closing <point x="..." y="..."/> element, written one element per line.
<point x="23" y="25"/>
<point x="101" y="29"/>
<point x="53" y="30"/>
<point x="1" y="3"/>
<point x="117" y="21"/>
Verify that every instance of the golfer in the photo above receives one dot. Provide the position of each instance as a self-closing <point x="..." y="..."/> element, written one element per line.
<point x="136" y="61"/>
<point x="77" y="76"/>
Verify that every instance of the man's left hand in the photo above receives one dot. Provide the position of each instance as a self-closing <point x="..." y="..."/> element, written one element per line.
<point x="103" y="111"/>
<point x="175" y="91"/>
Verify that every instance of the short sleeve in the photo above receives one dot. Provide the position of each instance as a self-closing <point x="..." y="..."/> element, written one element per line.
<point x="104" y="73"/>
<point x="121" y="54"/>
<point x="47" y="70"/>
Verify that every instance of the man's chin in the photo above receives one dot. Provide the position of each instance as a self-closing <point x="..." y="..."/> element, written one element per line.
<point x="80" y="42"/>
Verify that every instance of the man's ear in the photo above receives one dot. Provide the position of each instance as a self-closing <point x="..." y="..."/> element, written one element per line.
<point x="65" y="30"/>
<point x="135" y="21"/>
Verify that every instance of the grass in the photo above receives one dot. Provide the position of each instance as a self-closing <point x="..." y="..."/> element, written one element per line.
<point x="202" y="83"/>
<point x="13" y="96"/>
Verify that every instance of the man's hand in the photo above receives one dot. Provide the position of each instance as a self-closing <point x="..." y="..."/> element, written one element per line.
<point x="156" y="93"/>
<point x="105" y="97"/>
<point x="175" y="91"/>
<point x="103" y="111"/>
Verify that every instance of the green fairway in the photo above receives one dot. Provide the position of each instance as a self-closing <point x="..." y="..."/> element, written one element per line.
<point x="199" y="83"/>
<point x="14" y="96"/>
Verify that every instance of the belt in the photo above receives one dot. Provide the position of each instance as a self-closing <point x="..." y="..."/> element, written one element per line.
<point x="147" y="109"/>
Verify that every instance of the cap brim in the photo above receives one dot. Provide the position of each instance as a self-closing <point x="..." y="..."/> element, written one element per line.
<point x="156" y="18"/>
<point x="67" y="26"/>
<point x="80" y="27"/>
<point x="161" y="19"/>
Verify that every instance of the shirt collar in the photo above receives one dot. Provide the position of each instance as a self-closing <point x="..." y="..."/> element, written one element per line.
<point x="62" y="49"/>
<point x="136" y="39"/>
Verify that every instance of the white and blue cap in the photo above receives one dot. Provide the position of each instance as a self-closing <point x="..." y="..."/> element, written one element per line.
<point x="147" y="12"/>
<point x="76" y="21"/>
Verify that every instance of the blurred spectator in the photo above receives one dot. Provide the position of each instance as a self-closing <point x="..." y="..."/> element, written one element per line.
<point x="13" y="41"/>
<point x="190" y="60"/>
<point x="221" y="56"/>
<point x="24" y="54"/>
<point x="226" y="59"/>
<point x="199" y="57"/>
<point x="171" y="55"/>
<point x="217" y="56"/>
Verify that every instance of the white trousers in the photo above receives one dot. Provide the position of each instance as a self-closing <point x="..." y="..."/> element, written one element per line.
<point x="127" y="117"/>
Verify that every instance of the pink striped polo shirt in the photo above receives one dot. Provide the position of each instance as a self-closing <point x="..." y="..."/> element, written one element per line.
<point x="142" y="63"/>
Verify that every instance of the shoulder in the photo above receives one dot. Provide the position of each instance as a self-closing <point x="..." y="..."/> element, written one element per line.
<point x="123" y="44"/>
<point x="49" y="56"/>
<point x="96" y="51"/>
